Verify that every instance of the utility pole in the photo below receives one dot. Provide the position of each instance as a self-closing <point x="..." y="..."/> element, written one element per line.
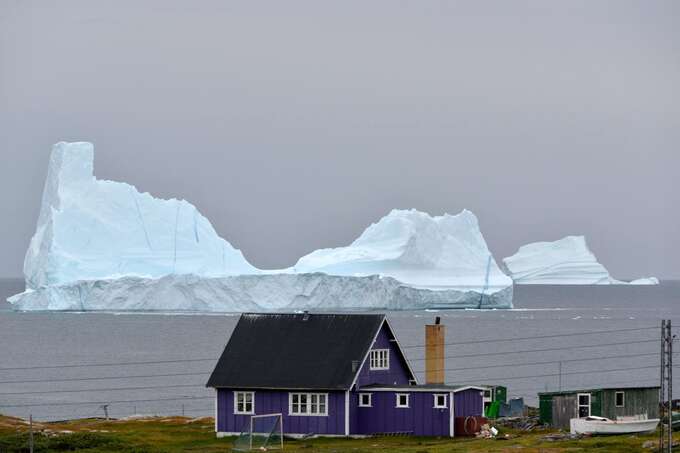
<point x="662" y="393"/>
<point x="560" y="373"/>
<point x="669" y="377"/>
<point x="30" y="435"/>
<point x="106" y="411"/>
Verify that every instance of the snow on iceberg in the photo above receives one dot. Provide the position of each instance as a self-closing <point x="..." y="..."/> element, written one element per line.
<point x="567" y="261"/>
<point x="102" y="245"/>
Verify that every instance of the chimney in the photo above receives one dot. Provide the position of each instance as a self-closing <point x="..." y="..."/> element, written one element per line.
<point x="434" y="352"/>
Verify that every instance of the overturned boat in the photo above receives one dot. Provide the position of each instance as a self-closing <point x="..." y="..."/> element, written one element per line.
<point x="623" y="425"/>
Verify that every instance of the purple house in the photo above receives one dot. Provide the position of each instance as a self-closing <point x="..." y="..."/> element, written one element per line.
<point x="331" y="375"/>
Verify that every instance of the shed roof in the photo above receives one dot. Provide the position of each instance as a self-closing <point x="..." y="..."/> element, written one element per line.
<point x="296" y="351"/>
<point x="597" y="389"/>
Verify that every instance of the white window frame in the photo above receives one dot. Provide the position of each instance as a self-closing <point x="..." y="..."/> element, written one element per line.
<point x="398" y="404"/>
<point x="309" y="404"/>
<point x="436" y="397"/>
<point x="579" y="405"/>
<point x="237" y="411"/>
<point x="361" y="400"/>
<point x="623" y="399"/>
<point x="380" y="359"/>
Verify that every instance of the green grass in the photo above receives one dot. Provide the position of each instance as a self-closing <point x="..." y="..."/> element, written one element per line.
<point x="179" y="434"/>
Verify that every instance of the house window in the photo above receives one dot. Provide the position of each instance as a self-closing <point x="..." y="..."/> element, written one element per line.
<point x="364" y="400"/>
<point x="440" y="401"/>
<point x="308" y="404"/>
<point x="380" y="359"/>
<point x="620" y="399"/>
<point x="244" y="403"/>
<point x="402" y="400"/>
<point x="583" y="404"/>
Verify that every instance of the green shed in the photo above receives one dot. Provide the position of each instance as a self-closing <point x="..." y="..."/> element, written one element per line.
<point x="557" y="408"/>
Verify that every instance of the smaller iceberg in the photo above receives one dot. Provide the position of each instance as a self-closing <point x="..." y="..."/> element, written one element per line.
<point x="567" y="261"/>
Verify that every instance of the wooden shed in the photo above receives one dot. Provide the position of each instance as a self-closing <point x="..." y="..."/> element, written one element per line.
<point x="557" y="408"/>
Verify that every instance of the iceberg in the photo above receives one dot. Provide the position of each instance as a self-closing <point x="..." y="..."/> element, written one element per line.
<point x="567" y="261"/>
<point x="103" y="245"/>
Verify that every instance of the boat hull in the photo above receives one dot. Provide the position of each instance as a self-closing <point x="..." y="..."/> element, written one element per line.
<point x="583" y="426"/>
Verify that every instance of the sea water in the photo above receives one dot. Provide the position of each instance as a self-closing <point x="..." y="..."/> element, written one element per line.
<point x="567" y="337"/>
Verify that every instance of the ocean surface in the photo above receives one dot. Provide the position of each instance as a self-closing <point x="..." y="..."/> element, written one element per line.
<point x="66" y="365"/>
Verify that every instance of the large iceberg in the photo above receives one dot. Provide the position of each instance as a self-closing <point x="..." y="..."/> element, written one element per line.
<point x="567" y="261"/>
<point x="102" y="245"/>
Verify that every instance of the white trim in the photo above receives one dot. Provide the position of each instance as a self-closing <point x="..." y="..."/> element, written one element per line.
<point x="401" y="351"/>
<point x="368" y="351"/>
<point x="308" y="404"/>
<point x="346" y="412"/>
<point x="623" y="395"/>
<point x="452" y="415"/>
<point x="578" y="404"/>
<point x="400" y="406"/>
<point x="252" y="401"/>
<point x="435" y="397"/>
<point x="421" y="389"/>
<point x="370" y="399"/>
<point x="379" y="359"/>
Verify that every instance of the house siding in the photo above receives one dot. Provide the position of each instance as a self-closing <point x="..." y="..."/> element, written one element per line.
<point x="419" y="419"/>
<point x="276" y="401"/>
<point x="398" y="373"/>
<point x="468" y="402"/>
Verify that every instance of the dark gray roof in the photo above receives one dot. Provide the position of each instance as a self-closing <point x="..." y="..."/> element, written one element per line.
<point x="597" y="389"/>
<point x="295" y="351"/>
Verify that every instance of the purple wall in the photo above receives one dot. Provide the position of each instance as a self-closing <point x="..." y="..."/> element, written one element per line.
<point x="397" y="374"/>
<point x="468" y="402"/>
<point x="270" y="401"/>
<point x="419" y="419"/>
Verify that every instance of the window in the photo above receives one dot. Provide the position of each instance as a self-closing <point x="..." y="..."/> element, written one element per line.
<point x="487" y="394"/>
<point x="402" y="399"/>
<point x="364" y="400"/>
<point x="308" y="404"/>
<point x="380" y="359"/>
<point x="583" y="404"/>
<point x="620" y="399"/>
<point x="440" y="401"/>
<point x="244" y="403"/>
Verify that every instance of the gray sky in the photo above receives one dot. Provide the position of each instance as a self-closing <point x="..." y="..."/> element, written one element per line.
<point x="293" y="125"/>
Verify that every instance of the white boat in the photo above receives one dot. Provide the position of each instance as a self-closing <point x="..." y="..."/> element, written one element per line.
<point x="600" y="425"/>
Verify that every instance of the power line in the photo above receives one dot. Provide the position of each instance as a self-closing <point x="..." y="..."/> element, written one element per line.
<point x="104" y="389"/>
<point x="491" y="340"/>
<point x="558" y="374"/>
<point x="547" y="362"/>
<point x="78" y="365"/>
<point x="104" y="378"/>
<point x="185" y="398"/>
<point x="482" y="354"/>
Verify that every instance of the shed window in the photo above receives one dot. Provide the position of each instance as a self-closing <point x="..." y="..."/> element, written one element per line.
<point x="402" y="399"/>
<point x="308" y="404"/>
<point x="620" y="399"/>
<point x="364" y="400"/>
<point x="583" y="405"/>
<point x="244" y="403"/>
<point x="440" y="401"/>
<point x="380" y="359"/>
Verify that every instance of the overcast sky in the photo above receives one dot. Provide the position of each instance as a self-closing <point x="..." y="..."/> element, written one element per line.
<point x="294" y="125"/>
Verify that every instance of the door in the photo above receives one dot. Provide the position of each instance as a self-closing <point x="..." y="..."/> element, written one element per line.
<point x="583" y="405"/>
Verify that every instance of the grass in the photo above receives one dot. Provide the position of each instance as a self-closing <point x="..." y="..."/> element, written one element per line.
<point x="180" y="434"/>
